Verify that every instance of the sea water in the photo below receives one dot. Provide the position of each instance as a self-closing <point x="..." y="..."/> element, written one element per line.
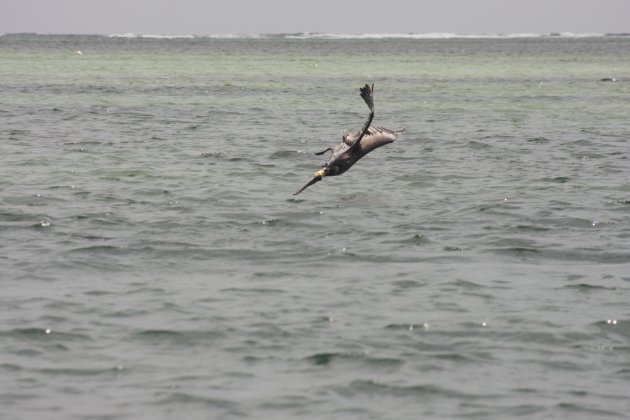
<point x="154" y="263"/>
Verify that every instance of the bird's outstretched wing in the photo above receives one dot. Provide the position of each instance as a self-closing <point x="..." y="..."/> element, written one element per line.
<point x="367" y="93"/>
<point x="376" y="137"/>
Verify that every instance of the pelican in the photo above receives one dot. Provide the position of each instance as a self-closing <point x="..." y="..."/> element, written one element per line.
<point x="354" y="146"/>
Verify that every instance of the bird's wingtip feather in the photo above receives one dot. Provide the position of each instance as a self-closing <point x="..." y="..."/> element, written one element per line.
<point x="367" y="93"/>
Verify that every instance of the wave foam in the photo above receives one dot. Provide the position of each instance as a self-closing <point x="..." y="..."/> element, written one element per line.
<point x="150" y="36"/>
<point x="323" y="35"/>
<point x="440" y="35"/>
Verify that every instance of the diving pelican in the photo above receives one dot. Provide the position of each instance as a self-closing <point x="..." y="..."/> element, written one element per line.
<point x="354" y="146"/>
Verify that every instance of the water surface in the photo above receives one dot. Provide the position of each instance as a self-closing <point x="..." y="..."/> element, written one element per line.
<point x="155" y="264"/>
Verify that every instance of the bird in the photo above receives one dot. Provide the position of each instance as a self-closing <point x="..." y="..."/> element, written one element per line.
<point x="354" y="146"/>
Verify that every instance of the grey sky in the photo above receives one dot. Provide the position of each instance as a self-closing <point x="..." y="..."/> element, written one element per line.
<point x="199" y="17"/>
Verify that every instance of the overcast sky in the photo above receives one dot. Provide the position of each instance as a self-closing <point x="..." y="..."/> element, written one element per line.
<point x="206" y="17"/>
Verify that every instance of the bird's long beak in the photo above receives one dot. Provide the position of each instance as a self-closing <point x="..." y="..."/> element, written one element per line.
<point x="316" y="178"/>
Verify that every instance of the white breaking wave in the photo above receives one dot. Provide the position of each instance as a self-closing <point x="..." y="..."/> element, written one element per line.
<point x="190" y="36"/>
<point x="439" y="35"/>
<point x="151" y="36"/>
<point x="322" y="35"/>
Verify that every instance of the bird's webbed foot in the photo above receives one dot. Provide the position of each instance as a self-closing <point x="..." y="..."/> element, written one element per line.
<point x="324" y="151"/>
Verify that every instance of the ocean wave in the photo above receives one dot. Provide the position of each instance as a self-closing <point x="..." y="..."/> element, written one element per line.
<point x="442" y="35"/>
<point x="341" y="36"/>
<point x="151" y="36"/>
<point x="190" y="36"/>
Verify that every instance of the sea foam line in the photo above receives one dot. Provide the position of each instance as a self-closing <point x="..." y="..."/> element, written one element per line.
<point x="151" y="36"/>
<point x="442" y="35"/>
<point x="324" y="35"/>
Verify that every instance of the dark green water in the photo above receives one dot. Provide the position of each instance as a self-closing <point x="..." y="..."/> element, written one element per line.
<point x="154" y="264"/>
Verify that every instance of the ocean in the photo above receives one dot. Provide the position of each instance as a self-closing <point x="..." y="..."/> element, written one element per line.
<point x="154" y="263"/>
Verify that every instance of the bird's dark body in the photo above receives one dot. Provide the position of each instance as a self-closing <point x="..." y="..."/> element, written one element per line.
<point x="343" y="156"/>
<point x="354" y="146"/>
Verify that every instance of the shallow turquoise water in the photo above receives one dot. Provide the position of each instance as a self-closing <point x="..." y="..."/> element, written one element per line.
<point x="154" y="262"/>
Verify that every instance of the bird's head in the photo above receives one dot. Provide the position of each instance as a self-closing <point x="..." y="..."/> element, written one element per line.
<point x="321" y="173"/>
<point x="317" y="176"/>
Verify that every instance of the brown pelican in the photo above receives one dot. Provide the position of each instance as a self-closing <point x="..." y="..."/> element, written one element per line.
<point x="354" y="146"/>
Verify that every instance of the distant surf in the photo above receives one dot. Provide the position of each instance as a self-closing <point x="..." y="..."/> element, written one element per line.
<point x="339" y="36"/>
<point x="324" y="35"/>
<point x="441" y="35"/>
<point x="152" y="36"/>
